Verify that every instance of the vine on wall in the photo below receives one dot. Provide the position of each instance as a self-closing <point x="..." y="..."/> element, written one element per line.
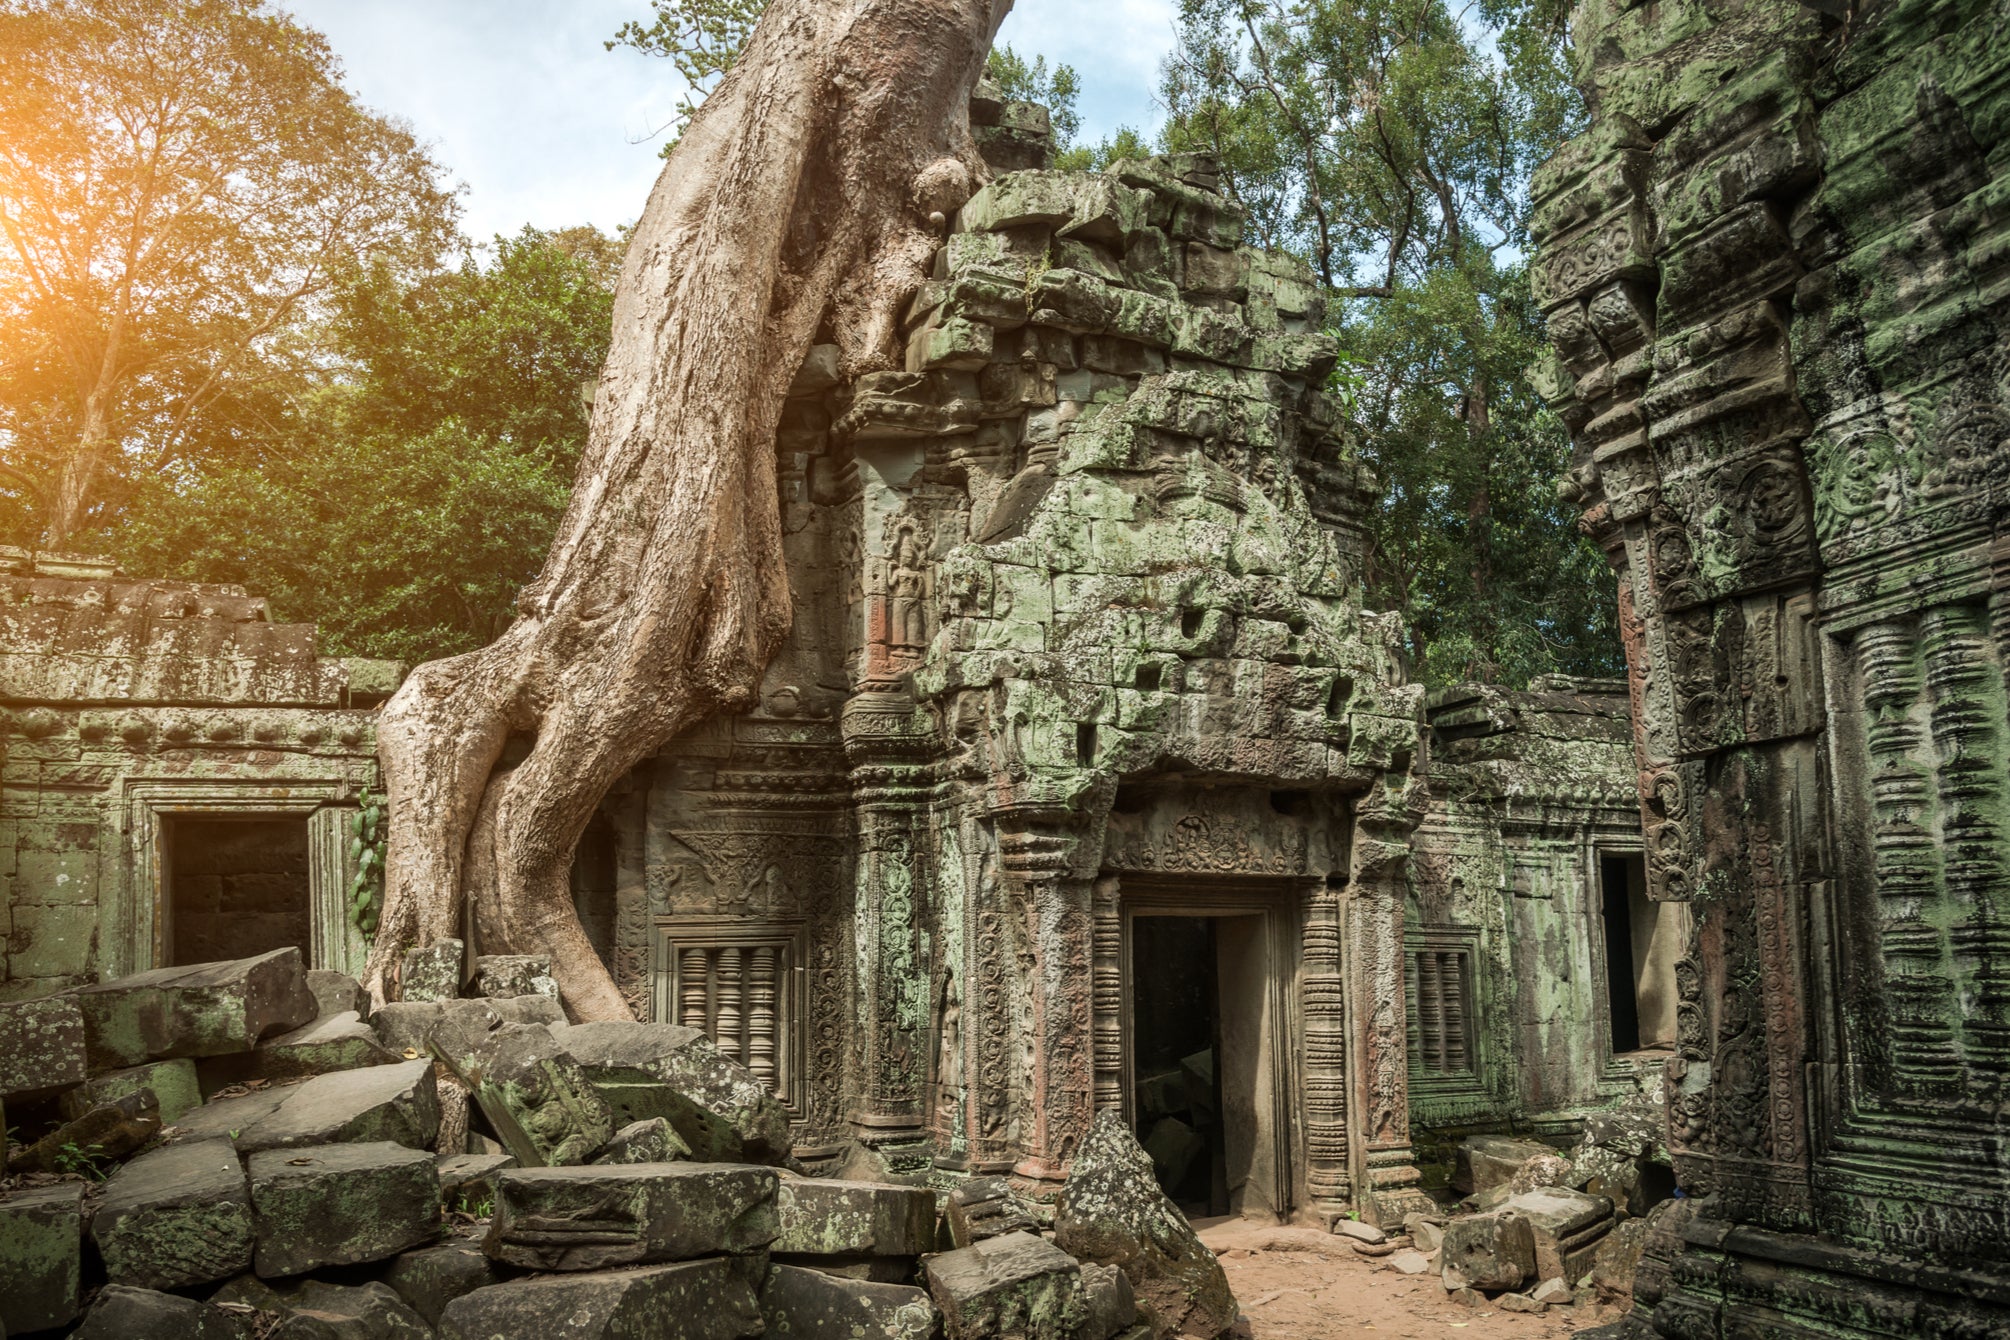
<point x="366" y="852"/>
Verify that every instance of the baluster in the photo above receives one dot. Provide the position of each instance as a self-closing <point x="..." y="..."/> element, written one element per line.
<point x="1452" y="977"/>
<point x="692" y="989"/>
<point x="728" y="1016"/>
<point x="1430" y="1021"/>
<point x="761" y="1017"/>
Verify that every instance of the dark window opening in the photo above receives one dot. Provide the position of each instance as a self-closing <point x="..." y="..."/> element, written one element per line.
<point x="1148" y="679"/>
<point x="1190" y="622"/>
<point x="1176" y="1017"/>
<point x="1642" y="942"/>
<point x="1085" y="743"/>
<point x="1343" y="693"/>
<point x="237" y="887"/>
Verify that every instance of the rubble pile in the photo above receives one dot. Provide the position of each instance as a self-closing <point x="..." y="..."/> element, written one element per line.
<point x="244" y="1150"/>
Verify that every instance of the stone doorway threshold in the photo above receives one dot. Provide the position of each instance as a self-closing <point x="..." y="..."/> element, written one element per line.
<point x="1302" y="1284"/>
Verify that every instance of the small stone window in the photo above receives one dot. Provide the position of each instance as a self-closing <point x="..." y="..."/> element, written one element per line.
<point x="741" y="985"/>
<point x="1439" y="987"/>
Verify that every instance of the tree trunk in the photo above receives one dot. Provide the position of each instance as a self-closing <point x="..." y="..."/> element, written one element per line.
<point x="806" y="198"/>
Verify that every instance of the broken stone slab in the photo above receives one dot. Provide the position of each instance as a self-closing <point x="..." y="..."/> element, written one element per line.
<point x="173" y="1084"/>
<point x="505" y="976"/>
<point x="1014" y="1285"/>
<point x="42" y="1049"/>
<point x="337" y="993"/>
<point x="1493" y="1252"/>
<point x="103" y="1134"/>
<point x="332" y="1042"/>
<point x="1112" y="1212"/>
<point x="177" y="1216"/>
<point x="1616" y="1261"/>
<point x="799" y="1302"/>
<point x="1359" y="1232"/>
<point x="984" y="1207"/>
<point x="41" y="1257"/>
<point x="1552" y="1293"/>
<point x="396" y="1103"/>
<point x="1427" y="1233"/>
<point x="693" y="1300"/>
<point x="1489" y="1161"/>
<point x="1410" y="1261"/>
<point x="209" y="1009"/>
<point x="431" y="973"/>
<point x="535" y="1095"/>
<point x="1108" y="1305"/>
<point x="864" y="1269"/>
<point x="1520" y="1302"/>
<point x="720" y="1109"/>
<point x="431" y="1277"/>
<point x="123" y="1313"/>
<point x="340" y="1205"/>
<point x="470" y="1179"/>
<point x="406" y="1026"/>
<point x="316" y="1309"/>
<point x="1565" y="1227"/>
<point x="651" y="1141"/>
<point x="820" y="1217"/>
<point x="592" y="1218"/>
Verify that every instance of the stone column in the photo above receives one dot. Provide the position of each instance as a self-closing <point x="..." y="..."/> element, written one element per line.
<point x="1329" y="1177"/>
<point x="1107" y="987"/>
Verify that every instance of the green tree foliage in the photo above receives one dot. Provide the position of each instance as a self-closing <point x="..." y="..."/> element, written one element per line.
<point x="180" y="183"/>
<point x="1390" y="142"/>
<point x="700" y="38"/>
<point x="419" y="489"/>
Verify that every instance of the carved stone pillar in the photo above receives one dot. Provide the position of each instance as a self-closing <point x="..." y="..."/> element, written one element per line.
<point x="1329" y="1176"/>
<point x="1107" y="988"/>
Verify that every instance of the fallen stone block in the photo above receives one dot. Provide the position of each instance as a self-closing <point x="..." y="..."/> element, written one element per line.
<point x="1551" y="1169"/>
<point x="406" y="1026"/>
<point x="315" y="1309"/>
<point x="1566" y="1227"/>
<point x="694" y="1300"/>
<point x="651" y="1141"/>
<point x="1359" y="1232"/>
<point x="1428" y="1234"/>
<point x="337" y="993"/>
<point x="1520" y="1302"/>
<point x="984" y="1207"/>
<point x="1488" y="1161"/>
<point x="1493" y="1252"/>
<point x="665" y="1070"/>
<point x="173" y="1084"/>
<point x="42" y="1049"/>
<point x="41" y="1257"/>
<point x="470" y="1179"/>
<point x="209" y="1009"/>
<point x="594" y="1217"/>
<point x="177" y="1216"/>
<point x="536" y="1096"/>
<point x="122" y="1313"/>
<point x="431" y="1277"/>
<point x="331" y="1043"/>
<point x="1015" y="1285"/>
<point x="1410" y="1261"/>
<point x="799" y="1302"/>
<point x="340" y="1205"/>
<point x="1616" y="1261"/>
<point x="102" y="1135"/>
<point x="1108" y="1305"/>
<point x="864" y="1269"/>
<point x="1552" y="1293"/>
<point x="396" y="1103"/>
<point x="431" y="973"/>
<point x="504" y="976"/>
<point x="828" y="1218"/>
<point x="1112" y="1212"/>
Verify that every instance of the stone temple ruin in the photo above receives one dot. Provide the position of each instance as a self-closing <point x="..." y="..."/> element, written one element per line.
<point x="1090" y="840"/>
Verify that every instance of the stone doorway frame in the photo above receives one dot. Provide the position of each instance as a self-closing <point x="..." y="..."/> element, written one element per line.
<point x="1279" y="902"/>
<point x="139" y="921"/>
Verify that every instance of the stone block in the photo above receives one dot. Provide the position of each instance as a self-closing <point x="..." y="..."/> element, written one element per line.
<point x="984" y="1207"/>
<point x="332" y="1042"/>
<point x="405" y="1026"/>
<point x="470" y="1179"/>
<point x="103" y="1134"/>
<point x="1360" y="1232"/>
<point x="316" y="1309"/>
<point x="339" y="1205"/>
<point x="397" y="1103"/>
<point x="1488" y="1161"/>
<point x="1565" y="1227"/>
<point x="535" y="1095"/>
<point x="799" y="1302"/>
<point x="664" y="1070"/>
<point x="41" y="1257"/>
<point x="432" y="973"/>
<point x="694" y="1300"/>
<point x="1492" y="1252"/>
<point x="431" y="1277"/>
<point x="41" y="1047"/>
<point x="651" y="1141"/>
<point x="1410" y="1261"/>
<point x="175" y="1217"/>
<point x="173" y="1084"/>
<point x="210" y="1009"/>
<point x="123" y="1313"/>
<point x="592" y="1218"/>
<point x="337" y="993"/>
<point x="1108" y="1305"/>
<point x="820" y="1217"/>
<point x="1112" y="1212"/>
<point x="507" y="976"/>
<point x="1017" y="1285"/>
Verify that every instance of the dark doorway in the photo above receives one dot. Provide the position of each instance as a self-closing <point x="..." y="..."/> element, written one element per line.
<point x="1623" y="1002"/>
<point x="1176" y="1018"/>
<point x="237" y="887"/>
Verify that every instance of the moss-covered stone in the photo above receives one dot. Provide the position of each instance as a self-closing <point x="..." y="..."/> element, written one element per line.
<point x="338" y="1205"/>
<point x="595" y="1217"/>
<point x="176" y="1217"/>
<point x="41" y="1257"/>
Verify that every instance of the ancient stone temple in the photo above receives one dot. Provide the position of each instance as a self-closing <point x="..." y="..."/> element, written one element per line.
<point x="1774" y="271"/>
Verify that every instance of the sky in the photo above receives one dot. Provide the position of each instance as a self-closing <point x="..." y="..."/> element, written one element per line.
<point x="542" y="125"/>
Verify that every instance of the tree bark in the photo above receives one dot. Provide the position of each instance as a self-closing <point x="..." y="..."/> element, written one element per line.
<point x="804" y="199"/>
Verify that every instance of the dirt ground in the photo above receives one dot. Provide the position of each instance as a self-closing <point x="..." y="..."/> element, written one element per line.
<point x="1301" y="1284"/>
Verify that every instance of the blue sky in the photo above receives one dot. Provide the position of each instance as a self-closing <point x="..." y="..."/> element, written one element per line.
<point x="542" y="125"/>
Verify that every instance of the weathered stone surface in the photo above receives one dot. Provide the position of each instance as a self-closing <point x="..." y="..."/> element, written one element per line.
<point x="178" y="1216"/>
<point x="1015" y="1284"/>
<point x="432" y="973"/>
<point x="102" y="1135"/>
<point x="591" y="1218"/>
<point x="1108" y="1305"/>
<point x="1565" y="1227"/>
<point x="1112" y="1212"/>
<point x="1489" y="1161"/>
<point x="470" y="1179"/>
<point x="123" y="1313"/>
<point x="663" y="1070"/>
<point x="209" y="1009"/>
<point x="317" y="1309"/>
<point x="1519" y="1302"/>
<point x="337" y="993"/>
<point x="332" y="1042"/>
<point x="1492" y="1251"/>
<point x="406" y="1026"/>
<point x="1359" y="1232"/>
<point x="1410" y="1261"/>
<point x="1616" y="1259"/>
<point x="984" y="1207"/>
<point x="506" y="976"/>
<point x="41" y="1257"/>
<point x="399" y="1103"/>
<point x="338" y="1205"/>
<point x="173" y="1083"/>
<point x="820" y="1217"/>
<point x="695" y="1300"/>
<point x="1427" y="1233"/>
<point x="533" y="1093"/>
<point x="1552" y="1293"/>
<point x="41" y="1047"/>
<point x="651" y="1141"/>
<point x="432" y="1277"/>
<point x="799" y="1302"/>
